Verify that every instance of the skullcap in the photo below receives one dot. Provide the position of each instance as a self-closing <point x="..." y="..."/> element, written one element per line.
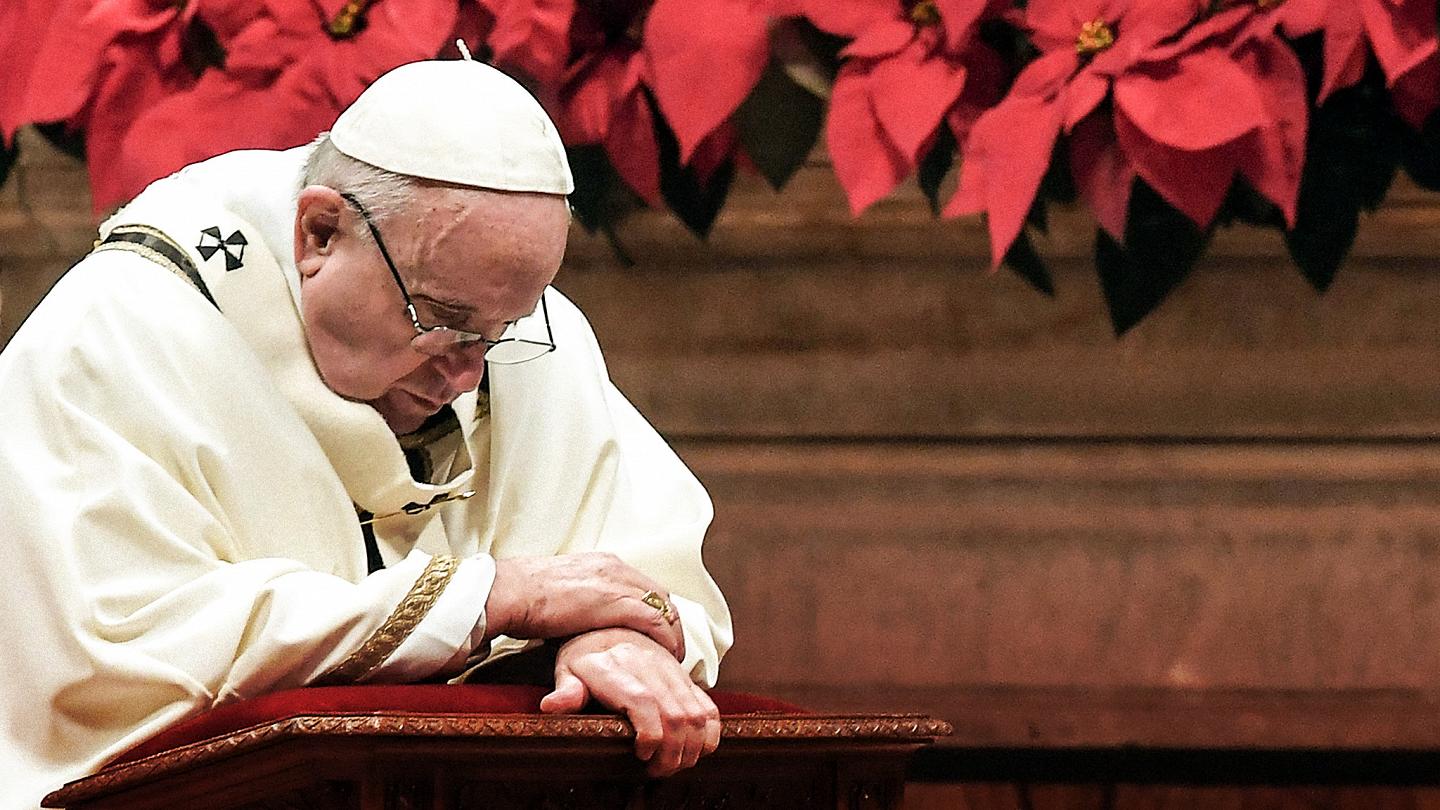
<point x="457" y="121"/>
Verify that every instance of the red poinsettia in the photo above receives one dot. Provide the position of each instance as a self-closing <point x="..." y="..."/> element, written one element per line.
<point x="530" y="39"/>
<point x="1401" y="34"/>
<point x="705" y="59"/>
<point x="24" y="25"/>
<point x="282" y="72"/>
<point x="1192" y="106"/>
<point x="603" y="98"/>
<point x="910" y="64"/>
<point x="100" y="68"/>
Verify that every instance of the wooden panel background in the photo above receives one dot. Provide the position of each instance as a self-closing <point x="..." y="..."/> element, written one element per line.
<point x="938" y="490"/>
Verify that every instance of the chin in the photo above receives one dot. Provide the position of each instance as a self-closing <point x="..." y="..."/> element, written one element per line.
<point x="402" y="417"/>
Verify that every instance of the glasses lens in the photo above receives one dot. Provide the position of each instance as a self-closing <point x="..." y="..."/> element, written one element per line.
<point x="509" y="352"/>
<point x="436" y="342"/>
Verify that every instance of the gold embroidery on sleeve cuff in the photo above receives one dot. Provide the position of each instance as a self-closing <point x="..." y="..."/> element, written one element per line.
<point x="402" y="621"/>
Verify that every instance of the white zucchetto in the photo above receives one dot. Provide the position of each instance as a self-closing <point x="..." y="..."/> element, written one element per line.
<point x="457" y="121"/>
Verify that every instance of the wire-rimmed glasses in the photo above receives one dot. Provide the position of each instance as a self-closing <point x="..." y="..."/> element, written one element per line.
<point x="435" y="341"/>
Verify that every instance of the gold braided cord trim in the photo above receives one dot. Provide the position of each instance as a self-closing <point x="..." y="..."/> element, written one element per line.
<point x="401" y="623"/>
<point x="151" y="254"/>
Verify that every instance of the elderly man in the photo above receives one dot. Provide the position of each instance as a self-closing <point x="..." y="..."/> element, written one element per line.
<point x="315" y="417"/>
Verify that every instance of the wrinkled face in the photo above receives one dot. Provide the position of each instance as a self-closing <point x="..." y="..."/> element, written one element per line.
<point x="472" y="260"/>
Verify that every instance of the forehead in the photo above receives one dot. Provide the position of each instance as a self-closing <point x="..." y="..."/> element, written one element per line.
<point x="492" y="251"/>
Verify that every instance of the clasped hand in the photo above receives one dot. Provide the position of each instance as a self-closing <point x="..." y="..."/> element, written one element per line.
<point x="623" y="652"/>
<point x="554" y="597"/>
<point x="675" y="722"/>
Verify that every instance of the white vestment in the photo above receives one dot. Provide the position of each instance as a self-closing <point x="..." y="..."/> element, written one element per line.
<point x="178" y="512"/>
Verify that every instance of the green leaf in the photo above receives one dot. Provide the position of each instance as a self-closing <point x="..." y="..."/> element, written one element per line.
<point x="1027" y="264"/>
<point x="935" y="165"/>
<point x="8" y="154"/>
<point x="1244" y="204"/>
<point x="1352" y="153"/>
<point x="1421" y="153"/>
<point x="1161" y="248"/>
<point x="70" y="142"/>
<point x="601" y="199"/>
<point x="694" y="201"/>
<point x="779" y="124"/>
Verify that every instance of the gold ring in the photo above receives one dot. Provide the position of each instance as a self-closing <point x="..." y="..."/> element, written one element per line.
<point x="658" y="602"/>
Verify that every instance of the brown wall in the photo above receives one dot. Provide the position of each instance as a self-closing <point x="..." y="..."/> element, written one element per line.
<point x="940" y="491"/>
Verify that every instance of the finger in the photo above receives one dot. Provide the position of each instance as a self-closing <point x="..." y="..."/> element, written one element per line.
<point x="711" y="739"/>
<point x="643" y="618"/>
<point x="684" y="716"/>
<point x="649" y="733"/>
<point x="569" y="696"/>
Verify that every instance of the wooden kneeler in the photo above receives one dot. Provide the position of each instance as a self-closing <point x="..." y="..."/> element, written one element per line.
<point x="486" y="746"/>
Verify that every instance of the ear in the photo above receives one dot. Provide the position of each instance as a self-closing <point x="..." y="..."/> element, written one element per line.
<point x="318" y="212"/>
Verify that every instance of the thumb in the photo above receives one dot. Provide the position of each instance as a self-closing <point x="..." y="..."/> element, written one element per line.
<point x="570" y="694"/>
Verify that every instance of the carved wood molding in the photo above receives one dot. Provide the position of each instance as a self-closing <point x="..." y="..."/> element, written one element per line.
<point x="890" y="728"/>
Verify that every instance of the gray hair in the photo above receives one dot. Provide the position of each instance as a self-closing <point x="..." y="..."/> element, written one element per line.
<point x="383" y="193"/>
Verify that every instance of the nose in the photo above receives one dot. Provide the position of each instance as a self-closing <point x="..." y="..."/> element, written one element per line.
<point x="462" y="367"/>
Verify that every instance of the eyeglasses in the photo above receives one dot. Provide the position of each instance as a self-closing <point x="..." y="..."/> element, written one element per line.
<point x="435" y="341"/>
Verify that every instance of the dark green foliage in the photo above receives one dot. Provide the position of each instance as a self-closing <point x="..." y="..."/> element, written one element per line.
<point x="779" y="124"/>
<point x="1353" y="150"/>
<point x="1027" y="264"/>
<point x="7" y="159"/>
<point x="66" y="140"/>
<point x="1246" y="205"/>
<point x="1421" y="152"/>
<point x="694" y="200"/>
<point x="1161" y="248"/>
<point x="601" y="199"/>
<point x="200" y="48"/>
<point x="935" y="165"/>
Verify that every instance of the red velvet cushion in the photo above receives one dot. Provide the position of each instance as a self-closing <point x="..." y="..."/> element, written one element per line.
<point x="417" y="699"/>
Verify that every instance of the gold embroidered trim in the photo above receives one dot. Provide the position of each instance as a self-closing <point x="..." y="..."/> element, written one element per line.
<point x="153" y="255"/>
<point x="401" y="623"/>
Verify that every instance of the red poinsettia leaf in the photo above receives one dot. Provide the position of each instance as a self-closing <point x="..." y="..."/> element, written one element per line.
<point x="132" y="83"/>
<point x="1200" y="102"/>
<point x="1102" y="174"/>
<point x="1194" y="182"/>
<point x="1084" y="94"/>
<point x="1055" y="24"/>
<point x="910" y="93"/>
<point x="1147" y="22"/>
<point x="1046" y="76"/>
<point x="884" y="38"/>
<point x="849" y="18"/>
<point x="74" y="50"/>
<point x="1300" y="17"/>
<point x="217" y="115"/>
<point x="1417" y="93"/>
<point x="591" y="95"/>
<point x="633" y="150"/>
<point x="1345" y="52"/>
<point x="1212" y="30"/>
<point x="985" y="73"/>
<point x="23" y="28"/>
<point x="959" y="19"/>
<point x="251" y="53"/>
<point x="393" y="36"/>
<point x="532" y="37"/>
<point x="1402" y="35"/>
<point x="704" y="59"/>
<point x="1011" y="145"/>
<point x="1275" y="155"/>
<point x="866" y="163"/>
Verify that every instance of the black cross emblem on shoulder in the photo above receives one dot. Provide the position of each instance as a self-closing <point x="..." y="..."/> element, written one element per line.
<point x="233" y="246"/>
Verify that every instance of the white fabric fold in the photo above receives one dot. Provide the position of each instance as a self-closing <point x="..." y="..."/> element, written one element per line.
<point x="180" y="491"/>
